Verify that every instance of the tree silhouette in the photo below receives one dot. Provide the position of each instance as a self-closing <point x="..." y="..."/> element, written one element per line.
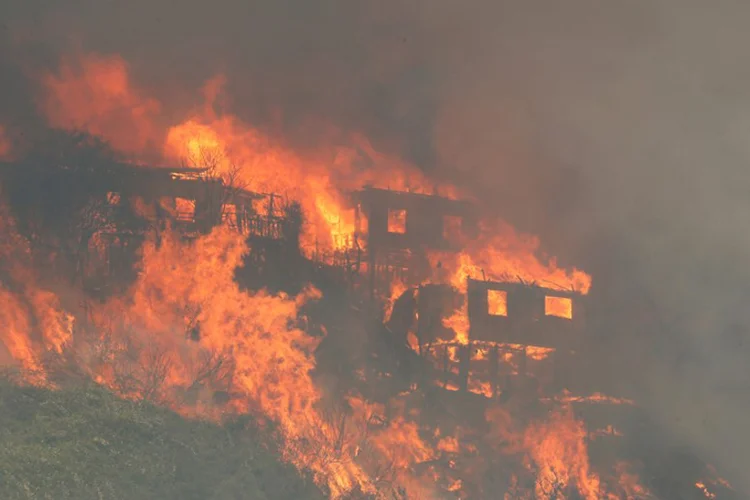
<point x="58" y="195"/>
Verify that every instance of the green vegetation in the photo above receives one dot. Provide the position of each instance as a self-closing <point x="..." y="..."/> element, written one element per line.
<point x="85" y="443"/>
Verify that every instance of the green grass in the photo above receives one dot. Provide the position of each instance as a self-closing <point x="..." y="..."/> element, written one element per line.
<point x="85" y="443"/>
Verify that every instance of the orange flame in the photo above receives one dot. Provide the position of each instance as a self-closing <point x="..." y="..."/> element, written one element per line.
<point x="185" y="335"/>
<point x="556" y="449"/>
<point x="559" y="450"/>
<point x="33" y="321"/>
<point x="397" y="289"/>
<point x="499" y="253"/>
<point x="95" y="93"/>
<point x="271" y="360"/>
<point x="497" y="302"/>
<point x="558" y="306"/>
<point x="704" y="489"/>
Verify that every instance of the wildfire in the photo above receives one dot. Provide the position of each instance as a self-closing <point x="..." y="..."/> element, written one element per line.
<point x="501" y="254"/>
<point x="555" y="448"/>
<point x="182" y="334"/>
<point x="558" y="448"/>
<point x="271" y="360"/>
<point x="712" y="481"/>
<point x="96" y="93"/>
<point x="33" y="322"/>
<point x="185" y="335"/>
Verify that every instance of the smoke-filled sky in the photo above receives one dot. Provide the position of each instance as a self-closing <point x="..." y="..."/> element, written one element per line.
<point x="617" y="130"/>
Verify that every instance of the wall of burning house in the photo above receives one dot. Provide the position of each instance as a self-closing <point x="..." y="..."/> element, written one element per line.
<point x="402" y="227"/>
<point x="517" y="334"/>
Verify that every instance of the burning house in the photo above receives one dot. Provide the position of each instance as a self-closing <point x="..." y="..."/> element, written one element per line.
<point x="517" y="335"/>
<point x="120" y="204"/>
<point x="400" y="228"/>
<point x="478" y="335"/>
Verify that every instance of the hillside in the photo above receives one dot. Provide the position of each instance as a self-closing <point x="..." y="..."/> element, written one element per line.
<point x="85" y="443"/>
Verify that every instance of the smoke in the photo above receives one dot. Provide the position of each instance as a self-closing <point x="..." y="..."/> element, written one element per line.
<point x="288" y="66"/>
<point x="615" y="130"/>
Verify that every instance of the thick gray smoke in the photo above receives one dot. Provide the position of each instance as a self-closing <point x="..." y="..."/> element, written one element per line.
<point x="630" y="120"/>
<point x="616" y="130"/>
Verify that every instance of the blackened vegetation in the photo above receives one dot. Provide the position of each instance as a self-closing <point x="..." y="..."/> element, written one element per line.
<point x="57" y="198"/>
<point x="274" y="257"/>
<point x="402" y="227"/>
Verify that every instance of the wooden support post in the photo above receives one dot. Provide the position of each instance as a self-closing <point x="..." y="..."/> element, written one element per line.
<point x="464" y="357"/>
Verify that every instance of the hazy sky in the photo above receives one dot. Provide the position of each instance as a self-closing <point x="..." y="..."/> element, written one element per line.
<point x="616" y="129"/>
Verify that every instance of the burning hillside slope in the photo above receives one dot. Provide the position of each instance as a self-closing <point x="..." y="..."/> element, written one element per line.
<point x="138" y="346"/>
<point x="186" y="335"/>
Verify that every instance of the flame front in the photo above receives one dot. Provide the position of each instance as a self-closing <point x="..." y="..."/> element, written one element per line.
<point x="33" y="321"/>
<point x="270" y="359"/>
<point x="185" y="335"/>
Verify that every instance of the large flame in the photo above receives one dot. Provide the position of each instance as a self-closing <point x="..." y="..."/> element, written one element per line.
<point x="185" y="335"/>
<point x="558" y="449"/>
<point x="194" y="314"/>
<point x="554" y="453"/>
<point x="95" y="93"/>
<point x="33" y="323"/>
<point x="500" y="253"/>
<point x="184" y="332"/>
